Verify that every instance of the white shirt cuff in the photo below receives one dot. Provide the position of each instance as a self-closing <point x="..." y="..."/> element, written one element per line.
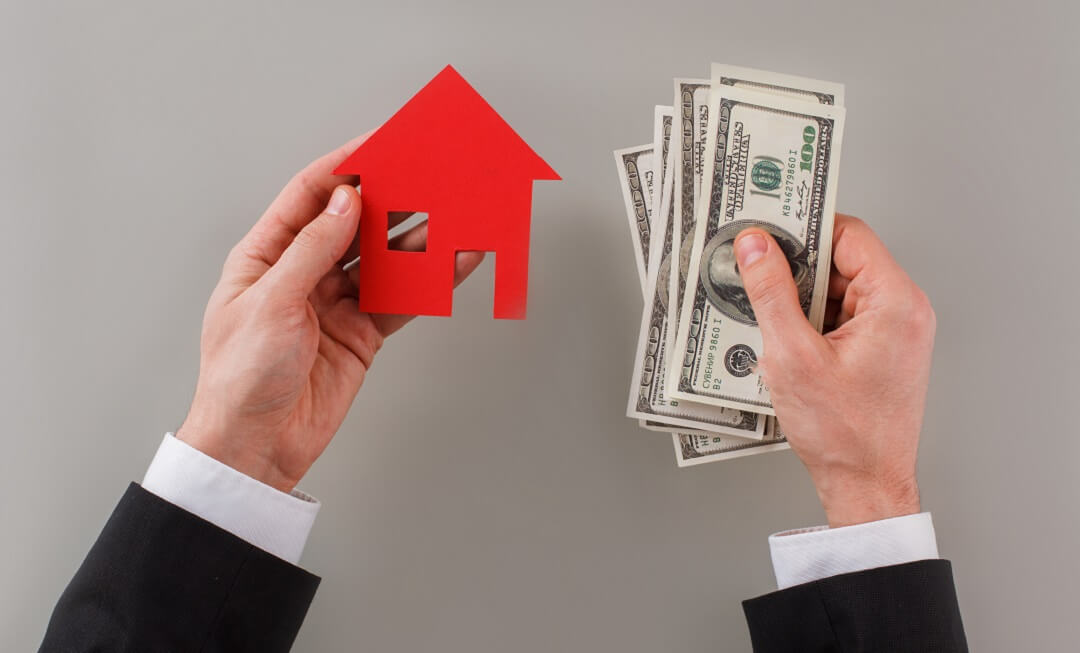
<point x="809" y="554"/>
<point x="274" y="521"/>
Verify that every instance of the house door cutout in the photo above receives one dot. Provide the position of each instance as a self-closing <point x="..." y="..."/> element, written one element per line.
<point x="482" y="279"/>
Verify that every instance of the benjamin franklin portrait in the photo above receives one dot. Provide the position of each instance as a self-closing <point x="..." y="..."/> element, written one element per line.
<point x="719" y="272"/>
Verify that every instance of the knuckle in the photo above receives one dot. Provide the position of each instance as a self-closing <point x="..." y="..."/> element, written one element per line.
<point x="273" y="307"/>
<point x="245" y="252"/>
<point x="851" y="225"/>
<point x="236" y="251"/>
<point x="914" y="313"/>
<point x="368" y="345"/>
<point x="313" y="246"/>
<point x="306" y="181"/>
<point x="310" y="237"/>
<point x="765" y="289"/>
<point x="922" y="316"/>
<point x="254" y="246"/>
<point x="859" y="230"/>
<point x="856" y="222"/>
<point x="234" y="257"/>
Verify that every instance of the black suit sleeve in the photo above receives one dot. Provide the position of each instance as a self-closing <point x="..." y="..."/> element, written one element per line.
<point x="161" y="579"/>
<point x="909" y="607"/>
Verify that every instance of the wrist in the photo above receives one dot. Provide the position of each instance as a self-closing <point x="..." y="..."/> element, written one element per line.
<point x="232" y="447"/>
<point x="849" y="503"/>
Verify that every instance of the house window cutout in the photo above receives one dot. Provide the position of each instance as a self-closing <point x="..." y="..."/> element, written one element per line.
<point x="400" y="223"/>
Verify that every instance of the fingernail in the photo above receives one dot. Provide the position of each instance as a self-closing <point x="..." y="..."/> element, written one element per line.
<point x="750" y="248"/>
<point x="339" y="202"/>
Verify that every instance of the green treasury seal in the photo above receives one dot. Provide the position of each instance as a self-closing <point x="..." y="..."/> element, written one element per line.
<point x="766" y="175"/>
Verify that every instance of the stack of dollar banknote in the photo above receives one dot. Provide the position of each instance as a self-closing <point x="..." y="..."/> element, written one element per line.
<point x="743" y="148"/>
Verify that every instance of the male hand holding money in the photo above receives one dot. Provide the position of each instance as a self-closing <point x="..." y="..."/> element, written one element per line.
<point x="852" y="399"/>
<point x="759" y="301"/>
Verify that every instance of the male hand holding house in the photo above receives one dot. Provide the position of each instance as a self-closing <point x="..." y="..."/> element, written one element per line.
<point x="283" y="332"/>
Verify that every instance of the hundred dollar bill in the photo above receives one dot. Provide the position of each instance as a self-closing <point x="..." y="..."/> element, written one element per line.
<point x="789" y="86"/>
<point x="640" y="186"/>
<point x="695" y="449"/>
<point x="631" y="163"/>
<point x="662" y="119"/>
<point x="691" y="120"/>
<point x="647" y="398"/>
<point x="628" y="161"/>
<point x="771" y="162"/>
<point x="640" y="236"/>
<point x="636" y="177"/>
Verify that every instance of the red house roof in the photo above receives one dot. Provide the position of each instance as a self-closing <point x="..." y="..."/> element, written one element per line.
<point x="447" y="129"/>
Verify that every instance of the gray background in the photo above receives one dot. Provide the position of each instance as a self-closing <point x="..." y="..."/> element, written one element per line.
<point x="486" y="493"/>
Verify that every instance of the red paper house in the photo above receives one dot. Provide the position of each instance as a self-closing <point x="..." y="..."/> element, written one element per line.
<point x="448" y="154"/>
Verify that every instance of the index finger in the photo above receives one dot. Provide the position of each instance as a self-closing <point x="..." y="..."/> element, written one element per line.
<point x="302" y="199"/>
<point x="856" y="247"/>
<point x="868" y="274"/>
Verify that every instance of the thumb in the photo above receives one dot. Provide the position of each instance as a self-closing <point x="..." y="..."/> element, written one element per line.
<point x="319" y="245"/>
<point x="766" y="275"/>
